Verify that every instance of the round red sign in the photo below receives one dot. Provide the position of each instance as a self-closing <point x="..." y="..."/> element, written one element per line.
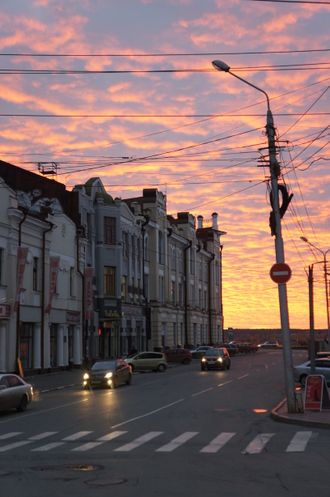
<point x="280" y="273"/>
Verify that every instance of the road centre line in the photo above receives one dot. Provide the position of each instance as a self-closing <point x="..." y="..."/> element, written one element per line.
<point x="202" y="391"/>
<point x="150" y="413"/>
<point x="243" y="376"/>
<point x="224" y="383"/>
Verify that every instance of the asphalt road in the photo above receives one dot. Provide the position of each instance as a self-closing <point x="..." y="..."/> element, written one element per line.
<point x="180" y="433"/>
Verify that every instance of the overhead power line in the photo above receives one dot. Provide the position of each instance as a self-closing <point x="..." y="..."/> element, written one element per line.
<point x="176" y="116"/>
<point x="164" y="54"/>
<point x="267" y="68"/>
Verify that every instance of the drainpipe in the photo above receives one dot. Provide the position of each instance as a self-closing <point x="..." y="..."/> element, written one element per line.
<point x="186" y="291"/>
<point x="43" y="297"/>
<point x="146" y="301"/>
<point x="84" y="324"/>
<point x="210" y="299"/>
<point x="18" y="313"/>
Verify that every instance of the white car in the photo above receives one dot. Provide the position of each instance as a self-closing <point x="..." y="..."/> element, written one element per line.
<point x="15" y="393"/>
<point x="322" y="366"/>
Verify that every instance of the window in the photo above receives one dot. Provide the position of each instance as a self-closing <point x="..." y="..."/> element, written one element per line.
<point x="110" y="281"/>
<point x="125" y="245"/>
<point x="35" y="273"/>
<point x="173" y="295"/>
<point x="71" y="285"/>
<point x="109" y="230"/>
<point x="161" y="289"/>
<point x="160" y="247"/>
<point x="124" y="288"/>
<point x="146" y="248"/>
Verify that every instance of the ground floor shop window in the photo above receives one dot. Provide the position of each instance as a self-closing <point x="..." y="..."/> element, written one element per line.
<point x="26" y="345"/>
<point x="53" y="345"/>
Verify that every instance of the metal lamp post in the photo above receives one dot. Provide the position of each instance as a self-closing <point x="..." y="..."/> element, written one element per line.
<point x="324" y="254"/>
<point x="279" y="246"/>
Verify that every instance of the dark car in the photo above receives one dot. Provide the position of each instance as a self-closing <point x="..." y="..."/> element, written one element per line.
<point x="15" y="393"/>
<point x="200" y="351"/>
<point x="216" y="358"/>
<point x="179" y="354"/>
<point x="108" y="374"/>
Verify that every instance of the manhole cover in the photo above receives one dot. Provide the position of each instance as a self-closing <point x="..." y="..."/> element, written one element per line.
<point x="70" y="467"/>
<point x="105" y="482"/>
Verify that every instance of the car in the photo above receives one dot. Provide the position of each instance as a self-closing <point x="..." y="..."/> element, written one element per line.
<point x="109" y="373"/>
<point x="178" y="354"/>
<point x="15" y="393"/>
<point x="323" y="353"/>
<point x="269" y="345"/>
<point x="148" y="361"/>
<point x="322" y="366"/>
<point x="199" y="351"/>
<point x="215" y="358"/>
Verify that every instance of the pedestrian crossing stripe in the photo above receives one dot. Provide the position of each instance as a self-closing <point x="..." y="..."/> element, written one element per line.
<point x="298" y="443"/>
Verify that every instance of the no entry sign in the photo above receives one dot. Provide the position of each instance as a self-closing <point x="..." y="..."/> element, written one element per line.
<point x="280" y="273"/>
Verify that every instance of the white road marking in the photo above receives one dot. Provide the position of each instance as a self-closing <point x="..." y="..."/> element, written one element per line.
<point x="14" y="445"/>
<point x="202" y="391"/>
<point x="224" y="383"/>
<point x="299" y="441"/>
<point x="243" y="376"/>
<point x="86" y="446"/>
<point x="139" y="441"/>
<point x="258" y="443"/>
<point x="43" y="435"/>
<point x="76" y="436"/>
<point x="111" y="436"/>
<point x="176" y="442"/>
<point x="217" y="443"/>
<point x="10" y="435"/>
<point x="50" y="446"/>
<point x="150" y="413"/>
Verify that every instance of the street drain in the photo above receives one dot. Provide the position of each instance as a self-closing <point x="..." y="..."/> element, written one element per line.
<point x="71" y="467"/>
<point x="105" y="482"/>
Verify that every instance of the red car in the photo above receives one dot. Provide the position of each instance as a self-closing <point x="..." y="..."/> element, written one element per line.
<point x="180" y="355"/>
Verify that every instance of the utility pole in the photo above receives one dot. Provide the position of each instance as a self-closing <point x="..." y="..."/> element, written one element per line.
<point x="311" y="318"/>
<point x="276" y="216"/>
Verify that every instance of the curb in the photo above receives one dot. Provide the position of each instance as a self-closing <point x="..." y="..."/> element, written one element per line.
<point x="290" y="419"/>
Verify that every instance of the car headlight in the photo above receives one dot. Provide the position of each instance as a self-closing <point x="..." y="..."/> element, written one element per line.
<point x="203" y="359"/>
<point x="219" y="359"/>
<point x="86" y="376"/>
<point x="108" y="375"/>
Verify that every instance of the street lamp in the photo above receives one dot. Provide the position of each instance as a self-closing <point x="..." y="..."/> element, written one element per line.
<point x="279" y="246"/>
<point x="324" y="254"/>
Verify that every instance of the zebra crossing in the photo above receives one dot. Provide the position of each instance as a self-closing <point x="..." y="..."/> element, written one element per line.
<point x="42" y="442"/>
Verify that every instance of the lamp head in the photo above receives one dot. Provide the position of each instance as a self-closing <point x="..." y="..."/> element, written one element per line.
<point x="220" y="65"/>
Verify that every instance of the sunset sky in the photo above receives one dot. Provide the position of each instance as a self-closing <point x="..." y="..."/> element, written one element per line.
<point x="125" y="90"/>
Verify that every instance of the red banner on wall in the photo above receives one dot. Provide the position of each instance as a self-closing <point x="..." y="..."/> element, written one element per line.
<point x="54" y="264"/>
<point x="89" y="274"/>
<point x="21" y="261"/>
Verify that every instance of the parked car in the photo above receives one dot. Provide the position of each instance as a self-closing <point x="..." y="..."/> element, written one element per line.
<point x="322" y="366"/>
<point x="178" y="354"/>
<point x="108" y="374"/>
<point x="148" y="361"/>
<point x="323" y="353"/>
<point x="215" y="358"/>
<point x="269" y="345"/>
<point x="199" y="351"/>
<point x="15" y="393"/>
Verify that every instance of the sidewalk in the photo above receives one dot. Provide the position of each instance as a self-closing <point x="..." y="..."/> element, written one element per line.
<point x="319" y="419"/>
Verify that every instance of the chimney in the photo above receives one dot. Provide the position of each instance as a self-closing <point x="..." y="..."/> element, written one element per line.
<point x="215" y="220"/>
<point x="199" y="222"/>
